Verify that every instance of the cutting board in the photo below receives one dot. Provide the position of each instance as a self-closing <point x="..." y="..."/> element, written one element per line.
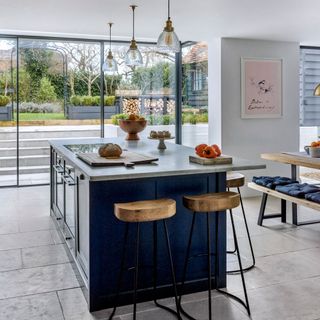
<point x="223" y="159"/>
<point x="127" y="159"/>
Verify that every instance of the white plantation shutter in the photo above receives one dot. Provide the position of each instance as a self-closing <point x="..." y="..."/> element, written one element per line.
<point x="309" y="78"/>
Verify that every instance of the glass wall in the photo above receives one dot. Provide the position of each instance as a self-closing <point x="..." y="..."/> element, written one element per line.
<point x="8" y="96"/>
<point x="148" y="90"/>
<point x="54" y="90"/>
<point x="195" y="94"/>
<point x="51" y="74"/>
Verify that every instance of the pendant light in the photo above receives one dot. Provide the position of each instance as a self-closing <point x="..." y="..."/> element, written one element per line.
<point x="133" y="55"/>
<point x="168" y="40"/>
<point x="110" y="66"/>
<point x="316" y="91"/>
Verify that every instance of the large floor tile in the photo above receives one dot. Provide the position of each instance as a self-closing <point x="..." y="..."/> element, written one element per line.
<point x="275" y="243"/>
<point x="280" y="268"/>
<point x="222" y="308"/>
<point x="8" y="225"/>
<point x="35" y="307"/>
<point x="75" y="307"/>
<point x="36" y="224"/>
<point x="10" y="260"/>
<point x="44" y="256"/>
<point x="25" y="240"/>
<point x="37" y="280"/>
<point x="294" y="300"/>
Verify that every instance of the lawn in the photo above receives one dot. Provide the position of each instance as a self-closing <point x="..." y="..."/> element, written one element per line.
<point x="39" y="116"/>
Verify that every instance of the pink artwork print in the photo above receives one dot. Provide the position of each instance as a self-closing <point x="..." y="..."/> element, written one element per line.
<point x="262" y="88"/>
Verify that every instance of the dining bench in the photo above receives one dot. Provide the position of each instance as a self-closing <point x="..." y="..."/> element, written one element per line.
<point x="284" y="198"/>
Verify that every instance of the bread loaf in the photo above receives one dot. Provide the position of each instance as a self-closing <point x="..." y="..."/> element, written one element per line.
<point x="110" y="150"/>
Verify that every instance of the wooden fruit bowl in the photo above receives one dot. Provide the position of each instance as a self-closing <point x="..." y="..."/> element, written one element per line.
<point x="132" y="127"/>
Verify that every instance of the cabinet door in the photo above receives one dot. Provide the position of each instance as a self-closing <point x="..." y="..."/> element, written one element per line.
<point x="82" y="238"/>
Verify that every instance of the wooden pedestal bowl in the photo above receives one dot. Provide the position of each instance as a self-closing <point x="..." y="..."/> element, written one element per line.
<point x="132" y="127"/>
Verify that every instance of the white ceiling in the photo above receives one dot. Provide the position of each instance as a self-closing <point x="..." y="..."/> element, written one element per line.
<point x="293" y="20"/>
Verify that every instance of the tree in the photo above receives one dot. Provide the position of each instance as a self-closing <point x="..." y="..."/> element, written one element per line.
<point x="36" y="62"/>
<point x="84" y="61"/>
<point x="46" y="92"/>
<point x="154" y="78"/>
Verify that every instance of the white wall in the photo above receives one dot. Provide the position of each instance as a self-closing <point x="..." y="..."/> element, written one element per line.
<point x="248" y="138"/>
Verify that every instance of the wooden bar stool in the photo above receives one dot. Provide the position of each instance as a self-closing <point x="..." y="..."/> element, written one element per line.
<point x="141" y="212"/>
<point x="237" y="180"/>
<point x="216" y="203"/>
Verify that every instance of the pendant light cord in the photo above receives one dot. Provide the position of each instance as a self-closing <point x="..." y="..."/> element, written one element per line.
<point x="169" y="10"/>
<point x="133" y="8"/>
<point x="110" y="25"/>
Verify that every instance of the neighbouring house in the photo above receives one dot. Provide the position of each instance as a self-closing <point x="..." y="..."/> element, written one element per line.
<point x="195" y="82"/>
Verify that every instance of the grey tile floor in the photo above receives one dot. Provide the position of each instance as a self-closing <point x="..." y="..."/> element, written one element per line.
<point x="37" y="280"/>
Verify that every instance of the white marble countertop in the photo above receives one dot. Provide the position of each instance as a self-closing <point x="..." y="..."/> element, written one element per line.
<point x="173" y="161"/>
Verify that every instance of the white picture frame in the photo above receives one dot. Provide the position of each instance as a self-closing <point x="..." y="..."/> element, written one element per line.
<point x="261" y="88"/>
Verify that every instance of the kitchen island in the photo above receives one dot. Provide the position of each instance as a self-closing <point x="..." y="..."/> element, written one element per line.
<point x="82" y="199"/>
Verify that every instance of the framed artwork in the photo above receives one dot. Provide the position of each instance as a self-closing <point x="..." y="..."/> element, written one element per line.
<point x="261" y="88"/>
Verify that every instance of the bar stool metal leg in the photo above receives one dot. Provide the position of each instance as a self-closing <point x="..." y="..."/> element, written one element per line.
<point x="209" y="265"/>
<point x="121" y="269"/>
<point x="172" y="269"/>
<point x="249" y="239"/>
<point x="155" y="258"/>
<point x="234" y="250"/>
<point x="246" y="303"/>
<point x="136" y="273"/>
<point x="185" y="267"/>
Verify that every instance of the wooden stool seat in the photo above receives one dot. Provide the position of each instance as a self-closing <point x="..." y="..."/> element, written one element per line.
<point x="212" y="202"/>
<point x="143" y="211"/>
<point x="235" y="179"/>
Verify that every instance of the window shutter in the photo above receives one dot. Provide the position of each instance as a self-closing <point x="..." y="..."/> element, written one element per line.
<point x="309" y="78"/>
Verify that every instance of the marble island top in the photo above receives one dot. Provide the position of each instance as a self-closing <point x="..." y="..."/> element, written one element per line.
<point x="173" y="161"/>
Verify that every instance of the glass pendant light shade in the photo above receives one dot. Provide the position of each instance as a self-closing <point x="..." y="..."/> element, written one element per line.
<point x="110" y="65"/>
<point x="133" y="56"/>
<point x="316" y="91"/>
<point x="168" y="40"/>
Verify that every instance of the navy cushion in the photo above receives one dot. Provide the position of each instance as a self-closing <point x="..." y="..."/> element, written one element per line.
<point x="273" y="182"/>
<point x="315" y="197"/>
<point x="299" y="190"/>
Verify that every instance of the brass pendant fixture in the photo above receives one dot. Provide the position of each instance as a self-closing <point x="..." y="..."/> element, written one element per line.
<point x="168" y="40"/>
<point x="110" y="66"/>
<point x="133" y="55"/>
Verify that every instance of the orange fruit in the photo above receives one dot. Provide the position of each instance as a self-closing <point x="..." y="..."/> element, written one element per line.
<point x="199" y="149"/>
<point x="217" y="149"/>
<point x="209" y="152"/>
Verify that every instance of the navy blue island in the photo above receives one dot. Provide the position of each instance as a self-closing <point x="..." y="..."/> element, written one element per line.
<point x="82" y="200"/>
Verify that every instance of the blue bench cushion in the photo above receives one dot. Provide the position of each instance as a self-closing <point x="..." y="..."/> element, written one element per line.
<point x="273" y="182"/>
<point x="299" y="190"/>
<point x="315" y="197"/>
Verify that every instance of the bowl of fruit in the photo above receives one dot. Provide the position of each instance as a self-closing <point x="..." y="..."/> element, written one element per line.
<point x="314" y="149"/>
<point x="133" y="125"/>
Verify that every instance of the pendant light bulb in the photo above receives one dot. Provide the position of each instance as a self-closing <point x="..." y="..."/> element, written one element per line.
<point x="133" y="56"/>
<point x="168" y="40"/>
<point x="110" y="66"/>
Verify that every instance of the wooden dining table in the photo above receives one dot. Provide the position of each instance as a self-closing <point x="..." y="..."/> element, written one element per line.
<point x="295" y="159"/>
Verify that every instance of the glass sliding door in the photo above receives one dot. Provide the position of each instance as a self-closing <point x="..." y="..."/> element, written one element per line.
<point x="195" y="94"/>
<point x="147" y="90"/>
<point x="8" y="98"/>
<point x="59" y="89"/>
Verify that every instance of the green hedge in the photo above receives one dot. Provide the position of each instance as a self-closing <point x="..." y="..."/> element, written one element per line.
<point x="4" y="100"/>
<point x="92" y="100"/>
